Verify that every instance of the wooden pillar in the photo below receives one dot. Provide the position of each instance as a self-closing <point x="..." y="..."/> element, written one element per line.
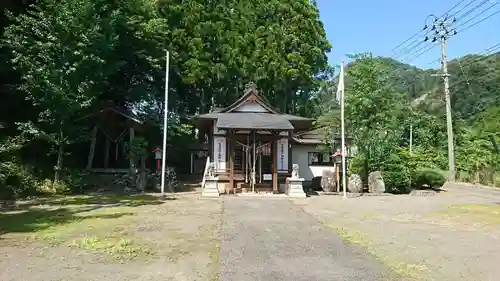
<point x="131" y="140"/>
<point x="106" y="153"/>
<point x="142" y="176"/>
<point x="93" y="141"/>
<point x="275" y="163"/>
<point x="230" y="141"/>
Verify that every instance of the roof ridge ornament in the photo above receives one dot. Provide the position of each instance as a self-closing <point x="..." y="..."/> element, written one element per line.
<point x="251" y="86"/>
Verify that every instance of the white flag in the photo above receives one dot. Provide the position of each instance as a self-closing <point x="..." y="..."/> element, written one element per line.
<point x="340" y="87"/>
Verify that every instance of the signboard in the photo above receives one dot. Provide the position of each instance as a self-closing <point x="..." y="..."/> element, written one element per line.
<point x="282" y="155"/>
<point x="220" y="153"/>
<point x="267" y="177"/>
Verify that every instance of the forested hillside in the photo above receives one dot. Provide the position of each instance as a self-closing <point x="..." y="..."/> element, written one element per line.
<point x="384" y="95"/>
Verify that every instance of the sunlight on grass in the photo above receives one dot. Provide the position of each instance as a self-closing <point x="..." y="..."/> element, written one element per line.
<point x="89" y="199"/>
<point x="408" y="271"/>
<point x="477" y="213"/>
<point x="75" y="221"/>
<point x="119" y="248"/>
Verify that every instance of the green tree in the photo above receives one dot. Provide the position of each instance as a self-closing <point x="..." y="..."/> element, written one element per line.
<point x="60" y="48"/>
<point x="218" y="47"/>
<point x="374" y="111"/>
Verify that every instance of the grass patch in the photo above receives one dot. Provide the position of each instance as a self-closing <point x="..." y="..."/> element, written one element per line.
<point x="58" y="200"/>
<point x="215" y="259"/>
<point x="83" y="222"/>
<point x="400" y="269"/>
<point x="118" y="248"/>
<point x="477" y="213"/>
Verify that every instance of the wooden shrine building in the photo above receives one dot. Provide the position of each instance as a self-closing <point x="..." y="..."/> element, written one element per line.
<point x="250" y="143"/>
<point x="114" y="128"/>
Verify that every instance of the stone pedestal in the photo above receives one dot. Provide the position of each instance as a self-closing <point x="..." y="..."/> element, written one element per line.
<point x="211" y="188"/>
<point x="295" y="189"/>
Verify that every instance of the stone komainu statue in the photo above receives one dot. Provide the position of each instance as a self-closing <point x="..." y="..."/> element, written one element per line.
<point x="295" y="171"/>
<point x="211" y="170"/>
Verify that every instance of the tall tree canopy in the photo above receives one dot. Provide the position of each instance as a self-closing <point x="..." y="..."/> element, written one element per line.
<point x="66" y="57"/>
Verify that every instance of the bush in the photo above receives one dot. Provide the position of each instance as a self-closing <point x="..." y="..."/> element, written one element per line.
<point x="16" y="181"/>
<point x="396" y="172"/>
<point x="396" y="178"/>
<point x="427" y="178"/>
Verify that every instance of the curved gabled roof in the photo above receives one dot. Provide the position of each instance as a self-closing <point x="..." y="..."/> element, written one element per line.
<point x="228" y="118"/>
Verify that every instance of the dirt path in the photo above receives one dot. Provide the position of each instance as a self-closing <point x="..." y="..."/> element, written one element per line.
<point x="451" y="236"/>
<point x="271" y="239"/>
<point x="169" y="240"/>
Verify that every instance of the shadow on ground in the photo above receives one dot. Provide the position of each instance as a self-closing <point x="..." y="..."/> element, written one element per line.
<point x="37" y="219"/>
<point x="45" y="212"/>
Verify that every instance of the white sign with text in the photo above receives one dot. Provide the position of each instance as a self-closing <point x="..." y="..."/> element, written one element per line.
<point x="220" y="153"/>
<point x="282" y="155"/>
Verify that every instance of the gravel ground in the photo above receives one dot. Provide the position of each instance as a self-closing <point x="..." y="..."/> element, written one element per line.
<point x="451" y="236"/>
<point x="181" y="237"/>
<point x="271" y="239"/>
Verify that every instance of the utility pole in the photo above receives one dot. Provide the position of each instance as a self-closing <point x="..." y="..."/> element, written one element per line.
<point x="442" y="30"/>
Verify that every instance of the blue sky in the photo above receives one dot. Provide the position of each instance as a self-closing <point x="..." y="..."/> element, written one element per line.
<point x="354" y="26"/>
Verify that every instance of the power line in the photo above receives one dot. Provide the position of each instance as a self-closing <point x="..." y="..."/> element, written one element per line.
<point x="472" y="10"/>
<point x="416" y="42"/>
<point x="422" y="51"/>
<point x="484" y="55"/>
<point x="433" y="61"/>
<point x="478" y="22"/>
<point x="456" y="5"/>
<point x="482" y="12"/>
<point x="414" y="46"/>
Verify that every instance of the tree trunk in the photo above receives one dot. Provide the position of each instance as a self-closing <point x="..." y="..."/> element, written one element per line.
<point x="59" y="165"/>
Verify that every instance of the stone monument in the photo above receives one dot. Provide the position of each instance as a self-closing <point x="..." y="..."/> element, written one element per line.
<point x="211" y="181"/>
<point x="376" y="182"/>
<point x="355" y="184"/>
<point x="295" y="189"/>
<point x="328" y="181"/>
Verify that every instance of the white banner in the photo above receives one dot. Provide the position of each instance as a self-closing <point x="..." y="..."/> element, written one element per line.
<point x="220" y="153"/>
<point x="282" y="155"/>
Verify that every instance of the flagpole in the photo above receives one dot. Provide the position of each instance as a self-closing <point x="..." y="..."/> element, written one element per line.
<point x="165" y="123"/>
<point x="342" y="130"/>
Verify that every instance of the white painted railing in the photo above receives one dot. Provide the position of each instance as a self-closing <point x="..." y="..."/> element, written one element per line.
<point x="205" y="172"/>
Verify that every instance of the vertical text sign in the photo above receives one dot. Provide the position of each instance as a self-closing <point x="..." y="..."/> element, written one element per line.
<point x="282" y="155"/>
<point x="220" y="153"/>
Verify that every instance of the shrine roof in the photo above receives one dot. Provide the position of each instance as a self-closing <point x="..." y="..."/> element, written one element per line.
<point x="121" y="111"/>
<point x="252" y="111"/>
<point x="256" y="121"/>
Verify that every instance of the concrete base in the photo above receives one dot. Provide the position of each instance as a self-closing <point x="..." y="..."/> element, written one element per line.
<point x="295" y="189"/>
<point x="211" y="188"/>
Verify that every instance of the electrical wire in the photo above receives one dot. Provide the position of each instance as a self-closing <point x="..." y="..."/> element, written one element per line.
<point x="484" y="55"/>
<point x="420" y="31"/>
<point x="471" y="10"/>
<point x="416" y="46"/>
<point x="482" y="12"/>
<point x="477" y="22"/>
<point x="433" y="61"/>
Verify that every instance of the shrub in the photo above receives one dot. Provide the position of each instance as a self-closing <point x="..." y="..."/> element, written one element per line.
<point x="16" y="181"/>
<point x="396" y="178"/>
<point x="427" y="178"/>
<point x="396" y="171"/>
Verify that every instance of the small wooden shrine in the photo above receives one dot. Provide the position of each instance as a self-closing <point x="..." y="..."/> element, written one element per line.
<point x="114" y="129"/>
